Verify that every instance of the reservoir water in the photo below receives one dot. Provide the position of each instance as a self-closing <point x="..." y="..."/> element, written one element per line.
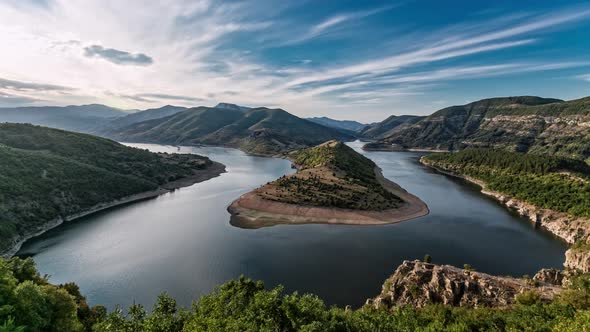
<point x="182" y="242"/>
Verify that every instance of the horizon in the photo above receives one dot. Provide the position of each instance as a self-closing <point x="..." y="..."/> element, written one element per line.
<point x="339" y="59"/>
<point x="136" y="110"/>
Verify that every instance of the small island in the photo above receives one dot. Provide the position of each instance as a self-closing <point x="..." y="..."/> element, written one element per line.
<point x="333" y="185"/>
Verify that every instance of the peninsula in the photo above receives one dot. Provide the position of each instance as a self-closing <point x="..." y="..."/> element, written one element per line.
<point x="49" y="176"/>
<point x="333" y="185"/>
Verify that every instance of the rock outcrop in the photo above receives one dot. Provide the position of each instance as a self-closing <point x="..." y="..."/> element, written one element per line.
<point x="577" y="259"/>
<point x="570" y="229"/>
<point x="567" y="227"/>
<point x="418" y="284"/>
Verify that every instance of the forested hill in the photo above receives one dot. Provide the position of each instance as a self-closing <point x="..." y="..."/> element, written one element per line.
<point x="521" y="124"/>
<point x="331" y="175"/>
<point x="556" y="183"/>
<point x="258" y="130"/>
<point x="49" y="173"/>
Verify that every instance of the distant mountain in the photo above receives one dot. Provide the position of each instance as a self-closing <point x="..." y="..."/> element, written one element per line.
<point x="83" y="118"/>
<point x="388" y="126"/>
<point x="522" y="124"/>
<point x="234" y="107"/>
<point x="149" y="114"/>
<point x="258" y="130"/>
<point x="349" y="125"/>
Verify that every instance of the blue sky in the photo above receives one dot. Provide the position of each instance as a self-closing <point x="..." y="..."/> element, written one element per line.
<point x="361" y="60"/>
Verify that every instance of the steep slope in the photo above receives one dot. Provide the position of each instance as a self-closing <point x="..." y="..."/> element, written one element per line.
<point x="523" y="124"/>
<point x="84" y="118"/>
<point x="259" y="130"/>
<point x="181" y="128"/>
<point x="553" y="192"/>
<point x="149" y="114"/>
<point x="333" y="184"/>
<point x="235" y="107"/>
<point x="347" y="125"/>
<point x="421" y="284"/>
<point x="48" y="175"/>
<point x="388" y="126"/>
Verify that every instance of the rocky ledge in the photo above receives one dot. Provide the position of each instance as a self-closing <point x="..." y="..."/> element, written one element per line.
<point x="569" y="228"/>
<point x="578" y="260"/>
<point x="418" y="284"/>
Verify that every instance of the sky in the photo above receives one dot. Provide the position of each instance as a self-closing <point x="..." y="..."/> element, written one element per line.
<point x="359" y="60"/>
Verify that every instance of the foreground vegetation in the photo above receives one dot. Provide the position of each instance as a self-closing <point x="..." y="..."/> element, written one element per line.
<point x="555" y="183"/>
<point x="48" y="173"/>
<point x="28" y="303"/>
<point x="331" y="175"/>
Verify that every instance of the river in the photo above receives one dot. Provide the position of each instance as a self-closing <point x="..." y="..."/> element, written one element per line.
<point x="182" y="242"/>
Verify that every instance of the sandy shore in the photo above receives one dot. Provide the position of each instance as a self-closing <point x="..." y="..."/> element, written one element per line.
<point x="212" y="171"/>
<point x="252" y="211"/>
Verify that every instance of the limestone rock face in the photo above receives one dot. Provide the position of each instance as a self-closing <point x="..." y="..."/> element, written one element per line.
<point x="550" y="276"/>
<point x="418" y="284"/>
<point x="577" y="260"/>
<point x="569" y="228"/>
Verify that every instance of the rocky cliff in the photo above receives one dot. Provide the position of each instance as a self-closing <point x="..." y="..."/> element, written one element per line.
<point x="567" y="227"/>
<point x="577" y="259"/>
<point x="418" y="284"/>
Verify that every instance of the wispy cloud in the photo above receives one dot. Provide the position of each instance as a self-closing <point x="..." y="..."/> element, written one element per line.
<point x="331" y="22"/>
<point x="30" y="86"/>
<point x="451" y="47"/>
<point x="7" y="99"/>
<point x="153" y="97"/>
<point x="117" y="57"/>
<point x="256" y="52"/>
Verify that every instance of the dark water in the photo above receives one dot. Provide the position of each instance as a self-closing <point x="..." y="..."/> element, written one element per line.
<point x="182" y="242"/>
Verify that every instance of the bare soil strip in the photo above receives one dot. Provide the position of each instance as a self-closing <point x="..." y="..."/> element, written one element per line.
<point x="252" y="211"/>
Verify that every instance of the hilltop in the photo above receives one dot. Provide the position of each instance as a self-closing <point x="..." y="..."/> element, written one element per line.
<point x="50" y="175"/>
<point x="521" y="124"/>
<point x="343" y="125"/>
<point x="333" y="184"/>
<point x="259" y="130"/>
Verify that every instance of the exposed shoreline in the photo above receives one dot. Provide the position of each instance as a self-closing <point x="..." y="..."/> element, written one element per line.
<point x="252" y="211"/>
<point x="562" y="225"/>
<point x="214" y="170"/>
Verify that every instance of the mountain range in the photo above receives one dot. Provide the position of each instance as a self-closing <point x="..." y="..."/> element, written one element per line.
<point x="345" y="125"/>
<point x="521" y="124"/>
<point x="258" y="130"/>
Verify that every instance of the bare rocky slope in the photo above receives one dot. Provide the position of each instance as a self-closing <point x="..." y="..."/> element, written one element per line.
<point x="419" y="284"/>
<point x="523" y="124"/>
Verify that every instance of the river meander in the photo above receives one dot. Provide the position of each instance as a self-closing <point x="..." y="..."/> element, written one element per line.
<point x="182" y="242"/>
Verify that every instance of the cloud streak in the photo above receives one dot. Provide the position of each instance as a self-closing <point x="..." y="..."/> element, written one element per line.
<point x="202" y="52"/>
<point x="117" y="57"/>
<point x="29" y="86"/>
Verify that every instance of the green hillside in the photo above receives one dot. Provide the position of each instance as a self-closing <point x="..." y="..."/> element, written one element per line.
<point x="555" y="183"/>
<point x="31" y="304"/>
<point x="521" y="124"/>
<point x="388" y="126"/>
<point x="47" y="173"/>
<point x="331" y="175"/>
<point x="258" y="130"/>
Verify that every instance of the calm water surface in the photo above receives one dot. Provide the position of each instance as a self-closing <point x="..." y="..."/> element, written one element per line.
<point x="182" y="242"/>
